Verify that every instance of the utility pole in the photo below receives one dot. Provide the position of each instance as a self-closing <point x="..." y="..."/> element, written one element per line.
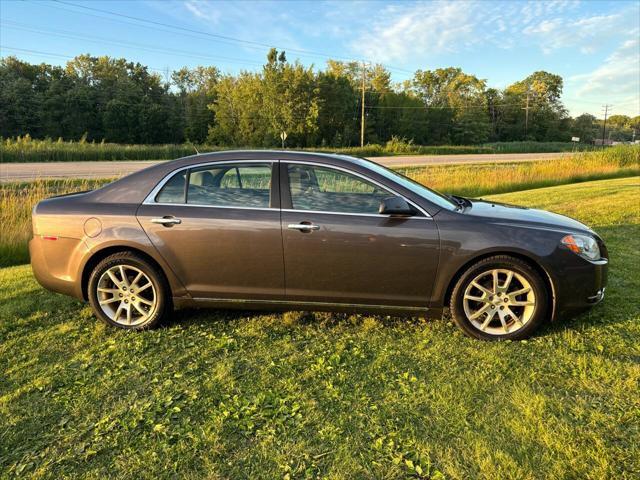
<point x="364" y="72"/>
<point x="526" y="115"/>
<point x="604" y="125"/>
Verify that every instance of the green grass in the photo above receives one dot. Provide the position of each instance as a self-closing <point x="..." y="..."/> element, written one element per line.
<point x="481" y="179"/>
<point x="219" y="394"/>
<point x="16" y="202"/>
<point x="26" y="149"/>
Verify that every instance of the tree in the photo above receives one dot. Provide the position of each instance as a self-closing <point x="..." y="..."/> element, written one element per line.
<point x="584" y="127"/>
<point x="112" y="99"/>
<point x="546" y="115"/>
<point x="456" y="105"/>
<point x="197" y="90"/>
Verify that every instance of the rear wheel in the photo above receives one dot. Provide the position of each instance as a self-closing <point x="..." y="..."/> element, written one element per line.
<point x="500" y="298"/>
<point x="126" y="291"/>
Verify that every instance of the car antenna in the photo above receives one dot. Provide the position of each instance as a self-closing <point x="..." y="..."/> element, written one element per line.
<point x="195" y="148"/>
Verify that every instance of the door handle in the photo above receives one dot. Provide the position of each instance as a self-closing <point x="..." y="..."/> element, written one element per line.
<point x="166" y="221"/>
<point x="303" y="227"/>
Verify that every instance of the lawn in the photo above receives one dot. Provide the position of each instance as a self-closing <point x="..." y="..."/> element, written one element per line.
<point x="243" y="395"/>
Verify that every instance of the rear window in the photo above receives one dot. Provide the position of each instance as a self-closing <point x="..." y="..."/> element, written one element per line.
<point x="173" y="190"/>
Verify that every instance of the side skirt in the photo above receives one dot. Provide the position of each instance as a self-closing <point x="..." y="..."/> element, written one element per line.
<point x="284" y="305"/>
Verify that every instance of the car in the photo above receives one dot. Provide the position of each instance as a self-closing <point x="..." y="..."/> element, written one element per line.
<point x="285" y="230"/>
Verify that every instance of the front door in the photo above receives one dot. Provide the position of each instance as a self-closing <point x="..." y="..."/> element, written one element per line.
<point x="218" y="227"/>
<point x="338" y="249"/>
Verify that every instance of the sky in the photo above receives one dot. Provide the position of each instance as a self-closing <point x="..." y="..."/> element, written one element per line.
<point x="594" y="45"/>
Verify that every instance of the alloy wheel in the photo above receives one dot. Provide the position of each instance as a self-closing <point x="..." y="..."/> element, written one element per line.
<point x="126" y="295"/>
<point x="499" y="301"/>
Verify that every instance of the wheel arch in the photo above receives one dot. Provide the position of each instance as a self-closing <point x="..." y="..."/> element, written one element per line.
<point x="546" y="276"/>
<point x="99" y="255"/>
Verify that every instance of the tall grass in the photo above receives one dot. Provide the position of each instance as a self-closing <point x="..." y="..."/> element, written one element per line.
<point x="538" y="147"/>
<point x="26" y="149"/>
<point x="18" y="199"/>
<point x="16" y="202"/>
<point x="481" y="179"/>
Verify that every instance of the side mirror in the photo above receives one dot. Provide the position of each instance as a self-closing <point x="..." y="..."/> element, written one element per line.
<point x="395" y="206"/>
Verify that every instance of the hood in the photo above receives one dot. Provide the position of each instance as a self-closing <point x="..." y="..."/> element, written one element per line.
<point x="527" y="217"/>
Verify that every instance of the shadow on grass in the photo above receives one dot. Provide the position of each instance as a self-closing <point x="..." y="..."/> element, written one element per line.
<point x="198" y="316"/>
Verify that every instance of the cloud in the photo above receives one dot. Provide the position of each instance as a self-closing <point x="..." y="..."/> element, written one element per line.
<point x="264" y="22"/>
<point x="562" y="32"/>
<point x="401" y="32"/>
<point x="618" y="75"/>
<point x="203" y="10"/>
<point x="426" y="29"/>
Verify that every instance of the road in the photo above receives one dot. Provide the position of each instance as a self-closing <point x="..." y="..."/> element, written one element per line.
<point x="99" y="169"/>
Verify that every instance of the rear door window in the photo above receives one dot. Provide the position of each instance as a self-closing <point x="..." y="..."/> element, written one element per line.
<point x="241" y="185"/>
<point x="173" y="190"/>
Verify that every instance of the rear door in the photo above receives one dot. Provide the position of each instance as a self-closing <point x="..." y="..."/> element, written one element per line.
<point x="218" y="226"/>
<point x="338" y="249"/>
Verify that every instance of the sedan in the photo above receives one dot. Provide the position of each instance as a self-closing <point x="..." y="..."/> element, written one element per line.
<point x="278" y="230"/>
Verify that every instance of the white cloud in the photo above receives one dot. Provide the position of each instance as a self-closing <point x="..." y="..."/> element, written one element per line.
<point x="203" y="10"/>
<point x="616" y="81"/>
<point x="562" y="32"/>
<point x="410" y="30"/>
<point x="263" y="22"/>
<point x="401" y="32"/>
<point x="618" y="75"/>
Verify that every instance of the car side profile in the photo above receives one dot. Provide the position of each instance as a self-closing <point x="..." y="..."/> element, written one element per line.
<point x="292" y="230"/>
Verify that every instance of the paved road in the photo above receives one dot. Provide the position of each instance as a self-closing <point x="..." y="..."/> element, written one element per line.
<point x="99" y="169"/>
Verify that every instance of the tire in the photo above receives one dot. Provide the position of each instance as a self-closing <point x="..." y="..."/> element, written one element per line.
<point x="516" y="313"/>
<point x="117" y="303"/>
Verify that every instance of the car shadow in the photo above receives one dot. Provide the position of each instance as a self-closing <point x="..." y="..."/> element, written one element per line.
<point x="197" y="316"/>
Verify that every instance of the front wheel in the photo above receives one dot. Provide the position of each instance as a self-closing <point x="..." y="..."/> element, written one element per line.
<point x="126" y="291"/>
<point x="500" y="298"/>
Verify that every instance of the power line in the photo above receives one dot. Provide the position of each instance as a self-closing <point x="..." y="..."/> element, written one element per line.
<point x="364" y="76"/>
<point x="200" y="32"/>
<point x="139" y="46"/>
<point x="604" y="125"/>
<point x="526" y="118"/>
<point x="58" y="55"/>
<point x="218" y="37"/>
<point x="441" y="107"/>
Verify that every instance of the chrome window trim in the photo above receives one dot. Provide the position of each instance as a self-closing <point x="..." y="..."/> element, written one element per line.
<point x="229" y="207"/>
<point x="149" y="199"/>
<point x="357" y="174"/>
<point x="377" y="215"/>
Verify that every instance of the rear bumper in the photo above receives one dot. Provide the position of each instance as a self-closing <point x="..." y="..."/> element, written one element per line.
<point x="55" y="264"/>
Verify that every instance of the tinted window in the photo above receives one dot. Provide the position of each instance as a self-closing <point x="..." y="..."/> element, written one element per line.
<point x="173" y="190"/>
<point x="414" y="186"/>
<point x="243" y="185"/>
<point x="329" y="190"/>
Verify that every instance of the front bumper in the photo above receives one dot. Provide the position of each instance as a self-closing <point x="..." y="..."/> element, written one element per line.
<point x="581" y="284"/>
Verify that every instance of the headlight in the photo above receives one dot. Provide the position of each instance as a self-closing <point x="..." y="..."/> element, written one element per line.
<point x="583" y="245"/>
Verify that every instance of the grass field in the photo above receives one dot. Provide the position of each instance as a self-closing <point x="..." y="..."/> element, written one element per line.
<point x="219" y="394"/>
<point x="26" y="149"/>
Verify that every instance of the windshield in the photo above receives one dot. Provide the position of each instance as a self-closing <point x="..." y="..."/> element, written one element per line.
<point x="415" y="187"/>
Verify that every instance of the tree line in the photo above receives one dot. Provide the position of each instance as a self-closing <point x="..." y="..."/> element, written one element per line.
<point x="110" y="99"/>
